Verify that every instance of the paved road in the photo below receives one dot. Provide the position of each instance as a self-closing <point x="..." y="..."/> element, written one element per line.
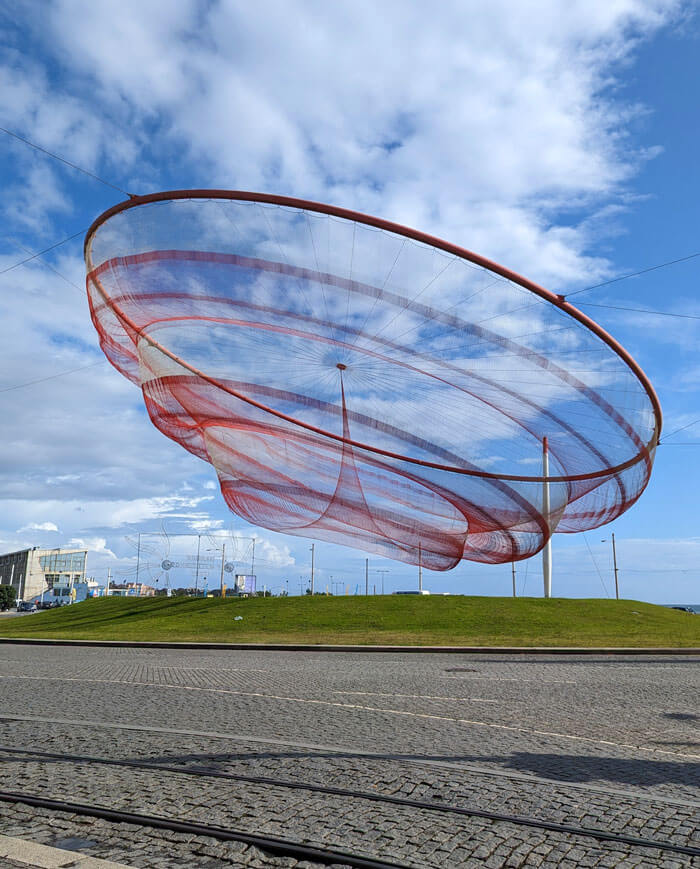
<point x="610" y="743"/>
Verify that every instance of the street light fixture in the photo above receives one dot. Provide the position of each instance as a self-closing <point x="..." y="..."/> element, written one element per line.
<point x="605" y="540"/>
<point x="382" y="571"/>
<point x="223" y="559"/>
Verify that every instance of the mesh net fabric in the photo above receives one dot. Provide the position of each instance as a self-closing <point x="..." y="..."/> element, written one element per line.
<point x="349" y="383"/>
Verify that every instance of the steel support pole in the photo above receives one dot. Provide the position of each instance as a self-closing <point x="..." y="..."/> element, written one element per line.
<point x="138" y="557"/>
<point x="617" y="587"/>
<point x="512" y="564"/>
<point x="196" y="572"/>
<point x="547" y="551"/>
<point x="366" y="576"/>
<point x="221" y="581"/>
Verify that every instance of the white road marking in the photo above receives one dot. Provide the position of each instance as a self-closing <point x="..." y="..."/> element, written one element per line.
<point x="511" y="728"/>
<point x="476" y="678"/>
<point x="419" y="696"/>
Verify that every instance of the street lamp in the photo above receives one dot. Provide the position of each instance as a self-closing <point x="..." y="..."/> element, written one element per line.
<point x="617" y="589"/>
<point x="223" y="559"/>
<point x="382" y="571"/>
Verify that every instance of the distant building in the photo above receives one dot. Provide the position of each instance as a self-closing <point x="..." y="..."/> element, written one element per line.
<point x="34" y="572"/>
<point x="72" y="592"/>
<point x="130" y="589"/>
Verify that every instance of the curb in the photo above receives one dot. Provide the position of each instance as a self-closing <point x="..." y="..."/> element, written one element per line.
<point x="299" y="647"/>
<point x="24" y="852"/>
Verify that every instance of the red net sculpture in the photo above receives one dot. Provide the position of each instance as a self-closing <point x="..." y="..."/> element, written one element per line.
<point x="355" y="381"/>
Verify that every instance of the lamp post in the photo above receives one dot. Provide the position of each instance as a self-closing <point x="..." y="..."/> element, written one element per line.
<point x="196" y="574"/>
<point x="223" y="559"/>
<point x="617" y="587"/>
<point x="313" y="546"/>
<point x="382" y="571"/>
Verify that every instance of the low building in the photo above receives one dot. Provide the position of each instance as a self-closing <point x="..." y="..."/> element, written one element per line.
<point x="130" y="589"/>
<point x="34" y="572"/>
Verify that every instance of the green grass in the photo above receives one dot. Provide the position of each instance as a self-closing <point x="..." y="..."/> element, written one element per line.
<point x="401" y="620"/>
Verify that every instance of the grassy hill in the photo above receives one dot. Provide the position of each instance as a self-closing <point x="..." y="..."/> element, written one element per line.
<point x="401" y="620"/>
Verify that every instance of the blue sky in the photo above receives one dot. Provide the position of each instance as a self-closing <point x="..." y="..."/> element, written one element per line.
<point x="561" y="142"/>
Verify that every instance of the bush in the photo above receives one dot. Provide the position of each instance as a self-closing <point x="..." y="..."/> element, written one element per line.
<point x="8" y="596"/>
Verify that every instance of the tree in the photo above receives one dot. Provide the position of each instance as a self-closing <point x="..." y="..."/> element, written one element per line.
<point x="8" y="595"/>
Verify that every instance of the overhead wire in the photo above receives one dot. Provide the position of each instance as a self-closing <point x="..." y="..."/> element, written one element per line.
<point x="682" y="443"/>
<point x="600" y="575"/>
<point x="72" y="284"/>
<point x="110" y="184"/>
<point x="66" y="162"/>
<point x="63" y="241"/>
<point x="641" y="311"/>
<point x="682" y="428"/>
<point x="633" y="274"/>
<point x="41" y="253"/>
<point x="52" y="376"/>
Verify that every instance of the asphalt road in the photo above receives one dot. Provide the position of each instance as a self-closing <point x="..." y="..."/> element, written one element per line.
<point x="606" y="743"/>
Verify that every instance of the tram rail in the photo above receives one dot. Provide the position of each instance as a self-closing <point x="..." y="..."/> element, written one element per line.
<point x="431" y="806"/>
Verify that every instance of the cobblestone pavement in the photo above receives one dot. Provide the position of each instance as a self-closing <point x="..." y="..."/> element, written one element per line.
<point x="609" y="743"/>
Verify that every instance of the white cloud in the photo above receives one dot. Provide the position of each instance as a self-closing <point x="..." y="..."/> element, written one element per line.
<point x="204" y="525"/>
<point x="38" y="526"/>
<point x="271" y="554"/>
<point x="482" y="125"/>
<point x="92" y="544"/>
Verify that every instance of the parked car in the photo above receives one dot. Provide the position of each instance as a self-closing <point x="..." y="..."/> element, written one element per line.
<point x="27" y="606"/>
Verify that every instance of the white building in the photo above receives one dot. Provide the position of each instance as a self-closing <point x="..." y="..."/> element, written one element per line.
<point x="35" y="571"/>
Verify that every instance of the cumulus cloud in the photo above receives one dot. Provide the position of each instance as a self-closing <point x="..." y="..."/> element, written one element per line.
<point x="38" y="526"/>
<point x="497" y="127"/>
<point x="271" y="554"/>
<point x="92" y="544"/>
<point x="204" y="525"/>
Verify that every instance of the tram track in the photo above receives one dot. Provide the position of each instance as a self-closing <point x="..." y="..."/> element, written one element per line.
<point x="340" y="751"/>
<point x="324" y="774"/>
<point x="430" y="806"/>
<point x="271" y="844"/>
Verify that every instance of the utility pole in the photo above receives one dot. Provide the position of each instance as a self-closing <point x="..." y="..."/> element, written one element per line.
<point x="223" y="557"/>
<point x="617" y="588"/>
<point x="420" y="568"/>
<point x="196" y="575"/>
<point x="382" y="571"/>
<point x="366" y="576"/>
<point x="138" y="557"/>
<point x="312" y="569"/>
<point x="547" y="551"/>
<point x="512" y="564"/>
<point x="252" y="560"/>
